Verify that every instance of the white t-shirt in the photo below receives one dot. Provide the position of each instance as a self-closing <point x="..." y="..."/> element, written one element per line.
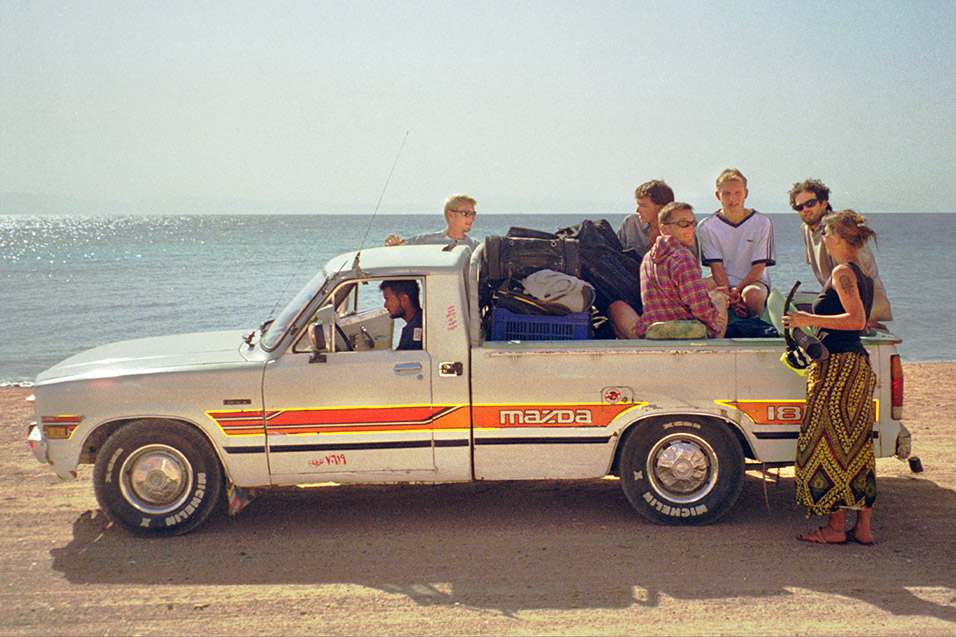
<point x="739" y="247"/>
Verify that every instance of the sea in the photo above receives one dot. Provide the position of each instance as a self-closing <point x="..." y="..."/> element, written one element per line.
<point x="69" y="283"/>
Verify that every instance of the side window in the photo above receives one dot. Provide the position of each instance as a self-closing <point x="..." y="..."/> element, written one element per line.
<point x="363" y="316"/>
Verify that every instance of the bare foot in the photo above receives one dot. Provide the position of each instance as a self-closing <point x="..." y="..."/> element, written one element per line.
<point x="823" y="535"/>
<point x="860" y="537"/>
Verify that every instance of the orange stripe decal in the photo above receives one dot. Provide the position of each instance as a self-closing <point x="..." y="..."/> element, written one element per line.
<point x="340" y="420"/>
<point x="416" y="418"/>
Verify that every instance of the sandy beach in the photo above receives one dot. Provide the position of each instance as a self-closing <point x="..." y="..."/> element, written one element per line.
<point x="488" y="558"/>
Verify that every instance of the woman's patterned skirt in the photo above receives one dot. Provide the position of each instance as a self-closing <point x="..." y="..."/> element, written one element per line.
<point x="836" y="466"/>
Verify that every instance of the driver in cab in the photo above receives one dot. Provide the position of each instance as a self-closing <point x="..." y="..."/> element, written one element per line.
<point x="401" y="301"/>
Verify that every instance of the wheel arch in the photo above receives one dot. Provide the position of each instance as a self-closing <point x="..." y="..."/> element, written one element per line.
<point x="635" y="426"/>
<point x="98" y="437"/>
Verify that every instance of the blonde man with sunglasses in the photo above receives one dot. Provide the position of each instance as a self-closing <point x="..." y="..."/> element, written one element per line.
<point x="459" y="216"/>
<point x="811" y="200"/>
<point x="671" y="286"/>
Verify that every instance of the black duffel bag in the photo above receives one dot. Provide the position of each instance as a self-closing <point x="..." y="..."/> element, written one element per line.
<point x="517" y="257"/>
<point x="614" y="272"/>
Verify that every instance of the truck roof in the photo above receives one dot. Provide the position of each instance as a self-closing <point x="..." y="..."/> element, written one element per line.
<point x="399" y="259"/>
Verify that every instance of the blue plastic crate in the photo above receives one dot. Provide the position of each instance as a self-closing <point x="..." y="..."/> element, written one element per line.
<point x="508" y="326"/>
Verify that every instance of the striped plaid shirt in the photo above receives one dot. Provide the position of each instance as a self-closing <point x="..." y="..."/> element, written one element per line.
<point x="672" y="288"/>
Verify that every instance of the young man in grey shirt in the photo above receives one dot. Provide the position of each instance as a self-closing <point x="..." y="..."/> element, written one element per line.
<point x="459" y="216"/>
<point x="640" y="230"/>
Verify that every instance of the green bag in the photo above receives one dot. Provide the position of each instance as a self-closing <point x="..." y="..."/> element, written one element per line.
<point x="677" y="329"/>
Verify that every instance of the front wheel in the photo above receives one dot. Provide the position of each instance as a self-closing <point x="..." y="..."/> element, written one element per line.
<point x="682" y="471"/>
<point x="157" y="477"/>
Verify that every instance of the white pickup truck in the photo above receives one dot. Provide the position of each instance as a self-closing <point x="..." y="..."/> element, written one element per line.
<point x="170" y="422"/>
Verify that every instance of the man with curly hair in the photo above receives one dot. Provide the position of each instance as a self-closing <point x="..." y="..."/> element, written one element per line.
<point x="810" y="199"/>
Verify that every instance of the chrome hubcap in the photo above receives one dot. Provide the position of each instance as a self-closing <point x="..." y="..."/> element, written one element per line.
<point x="683" y="467"/>
<point x="156" y="479"/>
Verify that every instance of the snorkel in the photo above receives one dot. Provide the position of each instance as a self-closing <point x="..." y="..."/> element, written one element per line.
<point x="802" y="348"/>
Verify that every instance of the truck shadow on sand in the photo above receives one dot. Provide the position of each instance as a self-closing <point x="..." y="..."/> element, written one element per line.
<point x="545" y="545"/>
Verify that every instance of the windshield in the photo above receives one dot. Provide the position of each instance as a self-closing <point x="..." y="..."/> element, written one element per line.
<point x="277" y="329"/>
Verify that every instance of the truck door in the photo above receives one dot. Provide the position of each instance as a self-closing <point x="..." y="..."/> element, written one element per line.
<point x="356" y="406"/>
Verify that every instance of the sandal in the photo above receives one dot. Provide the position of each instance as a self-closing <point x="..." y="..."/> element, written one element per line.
<point x="817" y="537"/>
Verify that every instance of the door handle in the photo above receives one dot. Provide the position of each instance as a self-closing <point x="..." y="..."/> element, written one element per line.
<point x="408" y="368"/>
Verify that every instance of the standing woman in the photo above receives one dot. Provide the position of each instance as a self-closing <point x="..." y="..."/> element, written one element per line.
<point x="835" y="465"/>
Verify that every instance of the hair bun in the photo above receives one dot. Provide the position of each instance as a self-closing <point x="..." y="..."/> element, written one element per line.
<point x="850" y="225"/>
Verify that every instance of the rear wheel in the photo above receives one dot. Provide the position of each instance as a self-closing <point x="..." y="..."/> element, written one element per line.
<point x="157" y="477"/>
<point x="682" y="471"/>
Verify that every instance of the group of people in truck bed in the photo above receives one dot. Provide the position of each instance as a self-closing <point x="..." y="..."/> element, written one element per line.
<point x="735" y="242"/>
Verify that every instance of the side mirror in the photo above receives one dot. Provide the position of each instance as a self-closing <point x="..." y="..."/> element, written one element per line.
<point x="317" y="341"/>
<point x="325" y="319"/>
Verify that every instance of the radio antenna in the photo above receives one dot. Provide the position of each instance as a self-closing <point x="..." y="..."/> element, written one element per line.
<point x="355" y="263"/>
<point x="382" y="196"/>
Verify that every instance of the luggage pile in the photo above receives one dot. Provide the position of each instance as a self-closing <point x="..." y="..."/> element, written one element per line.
<point x="555" y="286"/>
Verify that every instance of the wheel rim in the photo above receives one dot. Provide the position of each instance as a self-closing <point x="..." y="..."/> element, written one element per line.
<point x="682" y="467"/>
<point x="156" y="479"/>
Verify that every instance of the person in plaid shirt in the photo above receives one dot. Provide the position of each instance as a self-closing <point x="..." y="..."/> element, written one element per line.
<point x="671" y="285"/>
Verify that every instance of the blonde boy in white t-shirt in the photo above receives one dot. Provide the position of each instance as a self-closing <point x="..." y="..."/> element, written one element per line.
<point x="736" y="243"/>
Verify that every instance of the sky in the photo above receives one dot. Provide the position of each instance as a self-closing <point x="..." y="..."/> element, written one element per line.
<point x="328" y="107"/>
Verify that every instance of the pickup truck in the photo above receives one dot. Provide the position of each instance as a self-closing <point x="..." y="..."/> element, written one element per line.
<point x="321" y="394"/>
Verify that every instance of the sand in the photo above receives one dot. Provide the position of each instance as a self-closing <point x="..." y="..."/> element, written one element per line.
<point x="500" y="558"/>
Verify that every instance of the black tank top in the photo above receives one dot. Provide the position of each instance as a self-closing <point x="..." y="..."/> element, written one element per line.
<point x="828" y="303"/>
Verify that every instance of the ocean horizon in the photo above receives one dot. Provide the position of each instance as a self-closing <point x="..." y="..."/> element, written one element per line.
<point x="26" y="204"/>
<point x="71" y="282"/>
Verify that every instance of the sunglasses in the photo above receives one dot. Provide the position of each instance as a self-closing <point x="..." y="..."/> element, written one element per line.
<point x="809" y="203"/>
<point x="465" y="213"/>
<point x="683" y="223"/>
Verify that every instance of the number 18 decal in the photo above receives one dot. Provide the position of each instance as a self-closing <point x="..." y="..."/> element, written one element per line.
<point x="784" y="413"/>
<point x="775" y="412"/>
<point x="769" y="412"/>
